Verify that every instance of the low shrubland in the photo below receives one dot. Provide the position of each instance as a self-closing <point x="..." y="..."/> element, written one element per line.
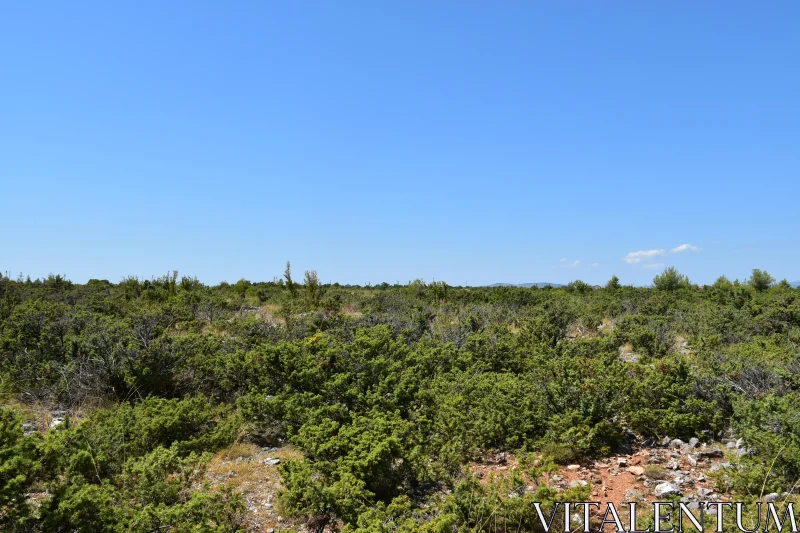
<point x="388" y="392"/>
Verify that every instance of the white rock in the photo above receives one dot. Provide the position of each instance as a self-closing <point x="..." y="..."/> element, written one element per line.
<point x="704" y="492"/>
<point x="632" y="495"/>
<point x="665" y="489"/>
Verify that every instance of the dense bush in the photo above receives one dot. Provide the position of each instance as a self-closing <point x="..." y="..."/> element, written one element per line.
<point x="388" y="392"/>
<point x="18" y="466"/>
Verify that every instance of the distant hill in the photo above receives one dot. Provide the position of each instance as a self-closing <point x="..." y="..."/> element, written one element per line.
<point x="539" y="284"/>
<point x="795" y="284"/>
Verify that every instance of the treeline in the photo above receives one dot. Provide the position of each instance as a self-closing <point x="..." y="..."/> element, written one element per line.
<point x="389" y="392"/>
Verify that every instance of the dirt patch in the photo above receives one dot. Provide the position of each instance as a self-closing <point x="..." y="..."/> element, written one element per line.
<point x="623" y="478"/>
<point x="626" y="478"/>
<point x="494" y="467"/>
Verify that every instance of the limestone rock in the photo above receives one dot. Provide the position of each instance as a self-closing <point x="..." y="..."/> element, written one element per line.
<point x="636" y="470"/>
<point x="666" y="489"/>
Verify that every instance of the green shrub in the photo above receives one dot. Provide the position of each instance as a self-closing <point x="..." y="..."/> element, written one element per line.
<point x="770" y="427"/>
<point x="18" y="470"/>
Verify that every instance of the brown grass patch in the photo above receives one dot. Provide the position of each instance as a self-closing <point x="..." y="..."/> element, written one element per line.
<point x="351" y="310"/>
<point x="41" y="414"/>
<point x="241" y="467"/>
<point x="606" y="325"/>
<point x="579" y="330"/>
<point x="270" y="313"/>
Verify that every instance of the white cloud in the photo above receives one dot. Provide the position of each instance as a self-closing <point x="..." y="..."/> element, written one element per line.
<point x="636" y="257"/>
<point x="647" y="258"/>
<point x="573" y="264"/>
<point x="595" y="265"/>
<point x="685" y="248"/>
<point x="563" y="259"/>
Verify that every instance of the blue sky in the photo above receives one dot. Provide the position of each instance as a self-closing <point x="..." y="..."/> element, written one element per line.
<point x="470" y="142"/>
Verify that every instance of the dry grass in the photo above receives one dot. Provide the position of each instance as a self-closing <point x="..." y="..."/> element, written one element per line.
<point x="241" y="468"/>
<point x="237" y="449"/>
<point x="579" y="330"/>
<point x="351" y="310"/>
<point x="270" y="313"/>
<point x="606" y="325"/>
<point x="490" y="470"/>
<point x="40" y="414"/>
<point x="681" y="345"/>
<point x="655" y="472"/>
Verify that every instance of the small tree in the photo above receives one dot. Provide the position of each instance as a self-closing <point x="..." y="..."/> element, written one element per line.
<point x="439" y="290"/>
<point x="240" y="288"/>
<point x="289" y="283"/>
<point x="312" y="286"/>
<point x="761" y="280"/>
<point x="723" y="283"/>
<point x="670" y="280"/>
<point x="172" y="283"/>
<point x="579" y="286"/>
<point x="613" y="283"/>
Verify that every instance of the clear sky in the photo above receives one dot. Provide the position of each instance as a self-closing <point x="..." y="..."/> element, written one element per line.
<point x="470" y="142"/>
